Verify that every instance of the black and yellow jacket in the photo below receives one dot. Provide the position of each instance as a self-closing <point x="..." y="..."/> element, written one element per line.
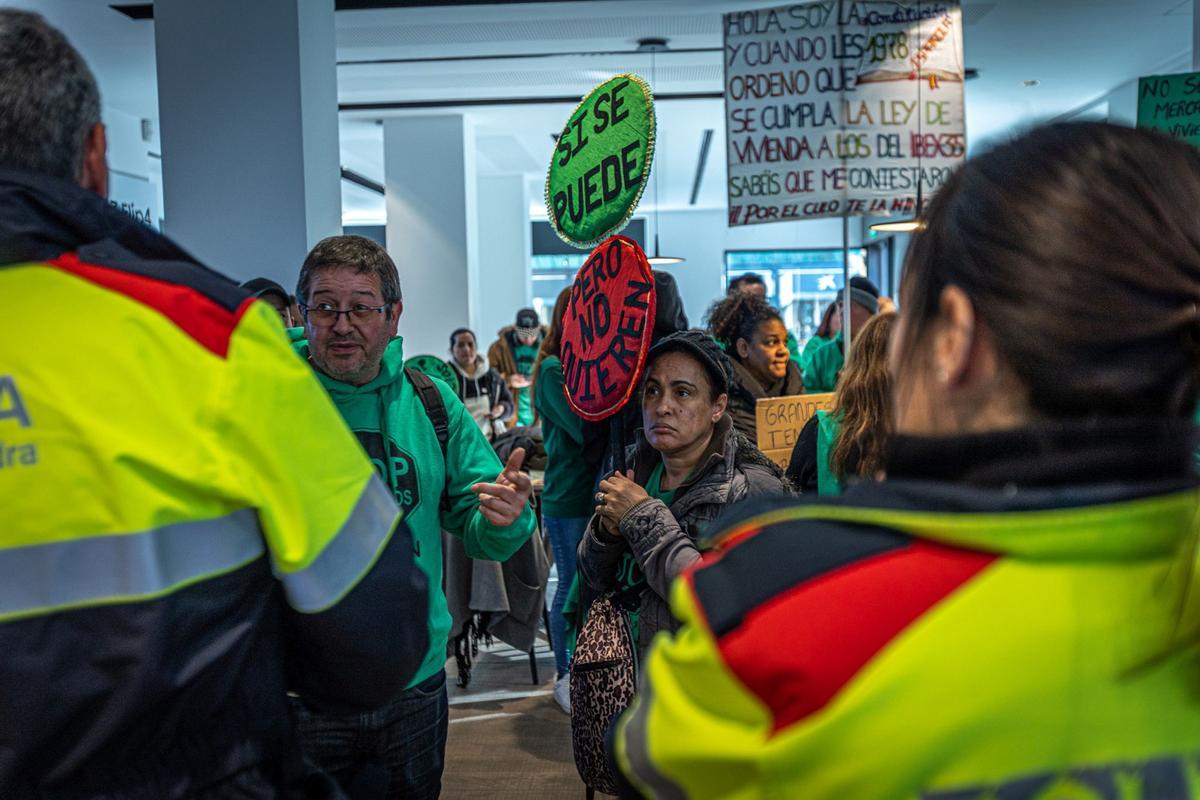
<point x="1013" y="615"/>
<point x="187" y="529"/>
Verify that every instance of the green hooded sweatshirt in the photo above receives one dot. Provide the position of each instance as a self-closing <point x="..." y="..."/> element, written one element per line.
<point x="806" y="356"/>
<point x="388" y="409"/>
<point x="825" y="363"/>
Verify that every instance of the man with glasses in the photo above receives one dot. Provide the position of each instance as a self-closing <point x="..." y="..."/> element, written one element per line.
<point x="188" y="530"/>
<point x="350" y="301"/>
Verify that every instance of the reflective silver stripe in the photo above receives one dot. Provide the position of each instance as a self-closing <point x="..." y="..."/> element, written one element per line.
<point x="637" y="748"/>
<point x="125" y="567"/>
<point x="348" y="555"/>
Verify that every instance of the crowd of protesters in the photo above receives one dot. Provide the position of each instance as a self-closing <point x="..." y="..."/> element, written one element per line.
<point x="221" y="567"/>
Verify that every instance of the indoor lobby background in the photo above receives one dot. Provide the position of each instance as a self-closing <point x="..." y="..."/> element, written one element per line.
<point x="248" y="131"/>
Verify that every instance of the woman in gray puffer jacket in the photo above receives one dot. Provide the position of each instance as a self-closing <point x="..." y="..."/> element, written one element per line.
<point x="689" y="464"/>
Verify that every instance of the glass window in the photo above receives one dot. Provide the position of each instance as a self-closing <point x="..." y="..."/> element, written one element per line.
<point x="550" y="275"/>
<point x="800" y="283"/>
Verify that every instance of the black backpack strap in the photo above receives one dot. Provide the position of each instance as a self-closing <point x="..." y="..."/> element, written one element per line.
<point x="435" y="409"/>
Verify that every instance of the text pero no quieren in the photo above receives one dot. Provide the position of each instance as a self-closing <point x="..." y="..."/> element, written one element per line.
<point x="603" y="349"/>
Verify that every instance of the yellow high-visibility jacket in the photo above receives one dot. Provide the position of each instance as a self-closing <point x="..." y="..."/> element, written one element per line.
<point x="925" y="640"/>
<point x="187" y="528"/>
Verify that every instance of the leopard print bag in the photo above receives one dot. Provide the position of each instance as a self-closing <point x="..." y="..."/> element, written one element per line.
<point x="603" y="680"/>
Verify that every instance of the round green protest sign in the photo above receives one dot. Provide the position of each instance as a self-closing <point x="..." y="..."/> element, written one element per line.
<point x="602" y="161"/>
<point x="435" y="368"/>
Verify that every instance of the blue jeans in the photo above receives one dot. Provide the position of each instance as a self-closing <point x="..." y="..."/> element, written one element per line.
<point x="396" y="751"/>
<point x="564" y="533"/>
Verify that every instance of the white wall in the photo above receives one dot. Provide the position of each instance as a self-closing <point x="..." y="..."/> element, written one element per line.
<point x="249" y="131"/>
<point x="134" y="179"/>
<point x="504" y="253"/>
<point x="432" y="223"/>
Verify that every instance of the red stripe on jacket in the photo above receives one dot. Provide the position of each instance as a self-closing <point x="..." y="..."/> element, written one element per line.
<point x="796" y="651"/>
<point x="201" y="318"/>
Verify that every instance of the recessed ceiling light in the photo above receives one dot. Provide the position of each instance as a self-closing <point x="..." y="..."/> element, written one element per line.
<point x="1031" y="83"/>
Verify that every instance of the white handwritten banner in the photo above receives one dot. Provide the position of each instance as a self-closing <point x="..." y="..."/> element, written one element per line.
<point x="840" y="107"/>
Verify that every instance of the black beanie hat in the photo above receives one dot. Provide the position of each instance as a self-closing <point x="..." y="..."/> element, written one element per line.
<point x="865" y="293"/>
<point x="701" y="346"/>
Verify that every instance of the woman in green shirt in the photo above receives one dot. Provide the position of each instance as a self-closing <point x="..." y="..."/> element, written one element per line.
<point x="848" y="442"/>
<point x="831" y="323"/>
<point x="567" y="497"/>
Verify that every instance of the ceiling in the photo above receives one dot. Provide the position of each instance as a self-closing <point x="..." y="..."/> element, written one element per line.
<point x="516" y="69"/>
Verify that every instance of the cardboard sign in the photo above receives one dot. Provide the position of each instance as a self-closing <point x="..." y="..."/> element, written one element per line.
<point x="780" y="420"/>
<point x="606" y="328"/>
<point x="1171" y="104"/>
<point x="841" y="108"/>
<point x="434" y="367"/>
<point x="602" y="161"/>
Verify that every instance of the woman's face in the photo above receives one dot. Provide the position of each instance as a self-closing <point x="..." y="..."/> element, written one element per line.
<point x="766" y="354"/>
<point x="464" y="349"/>
<point x="677" y="411"/>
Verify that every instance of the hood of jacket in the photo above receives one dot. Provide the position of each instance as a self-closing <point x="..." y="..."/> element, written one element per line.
<point x="481" y="367"/>
<point x="1050" y="490"/>
<point x="42" y="217"/>
<point x="384" y="386"/>
<point x="746" y="384"/>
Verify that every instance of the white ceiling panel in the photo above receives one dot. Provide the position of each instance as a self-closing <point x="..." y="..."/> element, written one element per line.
<point x="443" y="59"/>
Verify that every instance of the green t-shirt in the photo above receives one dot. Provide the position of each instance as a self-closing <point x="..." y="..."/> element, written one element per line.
<point x="629" y="572"/>
<point x="824" y="365"/>
<point x="569" y="479"/>
<point x="806" y="356"/>
<point x="525" y="356"/>
<point x="654" y="486"/>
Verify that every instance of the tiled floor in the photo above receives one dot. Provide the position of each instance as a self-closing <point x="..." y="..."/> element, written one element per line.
<point x="508" y="738"/>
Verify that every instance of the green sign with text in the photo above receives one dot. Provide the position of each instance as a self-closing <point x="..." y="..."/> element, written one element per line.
<point x="602" y="161"/>
<point x="1171" y="104"/>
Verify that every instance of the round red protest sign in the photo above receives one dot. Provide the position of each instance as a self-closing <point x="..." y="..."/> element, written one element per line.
<point x="607" y="327"/>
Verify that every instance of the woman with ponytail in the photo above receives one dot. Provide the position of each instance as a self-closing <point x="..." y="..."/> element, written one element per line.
<point x="847" y="443"/>
<point x="1015" y="610"/>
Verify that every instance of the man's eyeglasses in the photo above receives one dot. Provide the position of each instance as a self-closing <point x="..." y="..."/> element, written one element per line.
<point x="325" y="314"/>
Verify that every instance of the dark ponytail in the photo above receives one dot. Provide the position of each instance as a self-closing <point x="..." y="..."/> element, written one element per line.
<point x="1079" y="247"/>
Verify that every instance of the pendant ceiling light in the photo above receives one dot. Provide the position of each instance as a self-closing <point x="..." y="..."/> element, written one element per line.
<point x="653" y="46"/>
<point x="899" y="226"/>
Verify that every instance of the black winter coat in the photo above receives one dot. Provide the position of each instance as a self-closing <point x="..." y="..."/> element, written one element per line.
<point x="665" y="541"/>
<point x="745" y="391"/>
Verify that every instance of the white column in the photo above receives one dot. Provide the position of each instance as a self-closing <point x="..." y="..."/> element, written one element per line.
<point x="504" y="253"/>
<point x="248" y="113"/>
<point x="431" y="185"/>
